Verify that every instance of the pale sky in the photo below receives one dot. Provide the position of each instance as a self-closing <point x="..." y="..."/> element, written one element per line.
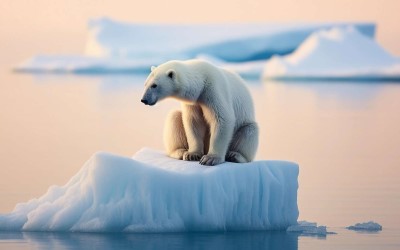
<point x="53" y="26"/>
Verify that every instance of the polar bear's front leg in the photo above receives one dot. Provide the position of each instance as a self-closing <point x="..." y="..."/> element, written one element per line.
<point x="195" y="129"/>
<point x="221" y="130"/>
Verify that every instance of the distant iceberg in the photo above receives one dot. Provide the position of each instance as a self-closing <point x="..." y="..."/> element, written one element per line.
<point x="337" y="53"/>
<point x="117" y="47"/>
<point x="366" y="226"/>
<point x="154" y="193"/>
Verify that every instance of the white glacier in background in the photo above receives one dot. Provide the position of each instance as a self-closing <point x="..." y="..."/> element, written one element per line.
<point x="337" y="53"/>
<point x="366" y="226"/>
<point x="117" y="47"/>
<point x="151" y="192"/>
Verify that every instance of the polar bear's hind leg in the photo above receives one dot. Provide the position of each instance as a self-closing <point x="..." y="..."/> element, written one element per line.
<point x="174" y="136"/>
<point x="244" y="144"/>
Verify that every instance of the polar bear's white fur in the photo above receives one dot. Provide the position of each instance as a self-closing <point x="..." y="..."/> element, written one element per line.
<point x="216" y="123"/>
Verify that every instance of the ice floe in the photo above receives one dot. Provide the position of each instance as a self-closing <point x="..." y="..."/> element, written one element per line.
<point x="151" y="192"/>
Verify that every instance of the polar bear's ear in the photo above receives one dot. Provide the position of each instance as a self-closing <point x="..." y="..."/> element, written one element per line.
<point x="152" y="68"/>
<point x="171" y="73"/>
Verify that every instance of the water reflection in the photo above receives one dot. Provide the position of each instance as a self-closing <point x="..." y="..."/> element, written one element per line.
<point x="231" y="240"/>
<point x="356" y="94"/>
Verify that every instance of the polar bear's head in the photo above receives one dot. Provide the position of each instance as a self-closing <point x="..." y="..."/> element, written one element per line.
<point x="161" y="83"/>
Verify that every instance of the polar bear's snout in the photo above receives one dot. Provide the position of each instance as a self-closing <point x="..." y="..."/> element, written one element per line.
<point x="149" y="98"/>
<point x="148" y="102"/>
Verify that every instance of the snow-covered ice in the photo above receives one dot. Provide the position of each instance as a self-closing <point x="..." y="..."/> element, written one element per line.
<point x="308" y="229"/>
<point x="115" y="47"/>
<point x="151" y="192"/>
<point x="339" y="53"/>
<point x="366" y="226"/>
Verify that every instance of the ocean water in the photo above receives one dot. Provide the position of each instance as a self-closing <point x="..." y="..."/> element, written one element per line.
<point x="344" y="135"/>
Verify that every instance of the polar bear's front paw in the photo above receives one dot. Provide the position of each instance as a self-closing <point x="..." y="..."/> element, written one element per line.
<point x="211" y="160"/>
<point x="191" y="156"/>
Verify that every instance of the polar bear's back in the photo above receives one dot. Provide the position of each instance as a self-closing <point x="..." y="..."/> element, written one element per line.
<point x="242" y="100"/>
<point x="225" y="84"/>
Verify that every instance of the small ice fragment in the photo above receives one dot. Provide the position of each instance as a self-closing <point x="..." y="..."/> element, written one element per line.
<point x="308" y="229"/>
<point x="366" y="226"/>
<point x="301" y="226"/>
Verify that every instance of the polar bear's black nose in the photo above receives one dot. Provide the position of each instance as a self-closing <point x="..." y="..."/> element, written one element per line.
<point x="145" y="101"/>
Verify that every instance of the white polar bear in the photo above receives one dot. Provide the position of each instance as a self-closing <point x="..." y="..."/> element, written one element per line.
<point x="217" y="121"/>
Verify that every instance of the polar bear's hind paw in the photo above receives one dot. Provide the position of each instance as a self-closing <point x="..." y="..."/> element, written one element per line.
<point x="192" y="156"/>
<point x="178" y="154"/>
<point x="233" y="156"/>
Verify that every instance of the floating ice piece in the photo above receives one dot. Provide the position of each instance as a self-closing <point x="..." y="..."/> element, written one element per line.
<point x="338" y="53"/>
<point x="116" y="47"/>
<point x="308" y="229"/>
<point x="154" y="193"/>
<point x="302" y="226"/>
<point x="86" y="65"/>
<point x="366" y="226"/>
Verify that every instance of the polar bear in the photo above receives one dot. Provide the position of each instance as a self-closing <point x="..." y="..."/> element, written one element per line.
<point x="217" y="121"/>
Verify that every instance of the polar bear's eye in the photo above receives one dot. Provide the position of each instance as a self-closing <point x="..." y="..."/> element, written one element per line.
<point x="154" y="86"/>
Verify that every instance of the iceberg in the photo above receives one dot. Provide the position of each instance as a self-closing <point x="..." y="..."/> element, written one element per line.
<point x="230" y="42"/>
<point x="337" y="53"/>
<point x="117" y="47"/>
<point x="151" y="192"/>
<point x="366" y="226"/>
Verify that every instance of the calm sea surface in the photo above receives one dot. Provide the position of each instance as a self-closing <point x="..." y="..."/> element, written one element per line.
<point x="344" y="135"/>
